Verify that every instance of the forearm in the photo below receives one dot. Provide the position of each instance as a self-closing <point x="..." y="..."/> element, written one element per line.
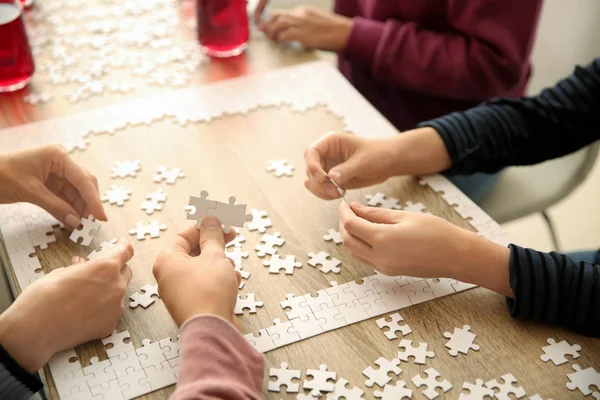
<point x="217" y="362"/>
<point x="419" y="152"/>
<point x="525" y="131"/>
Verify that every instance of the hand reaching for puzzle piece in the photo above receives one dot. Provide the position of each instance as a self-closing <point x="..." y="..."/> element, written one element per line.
<point x="48" y="177"/>
<point x="70" y="305"/>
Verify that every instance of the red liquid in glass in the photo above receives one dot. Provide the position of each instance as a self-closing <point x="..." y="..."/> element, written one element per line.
<point x="16" y="61"/>
<point x="27" y="3"/>
<point x="222" y="26"/>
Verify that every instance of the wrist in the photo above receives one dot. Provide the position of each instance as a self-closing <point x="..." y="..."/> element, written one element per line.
<point x="481" y="262"/>
<point x="340" y="33"/>
<point x="420" y="152"/>
<point x="20" y="337"/>
<point x="8" y="194"/>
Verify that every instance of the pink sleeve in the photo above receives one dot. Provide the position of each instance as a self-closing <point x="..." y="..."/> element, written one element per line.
<point x="217" y="362"/>
<point x="483" y="53"/>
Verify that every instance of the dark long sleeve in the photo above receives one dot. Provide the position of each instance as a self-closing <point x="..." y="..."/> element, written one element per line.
<point x="525" y="131"/>
<point x="553" y="288"/>
<point x="15" y="382"/>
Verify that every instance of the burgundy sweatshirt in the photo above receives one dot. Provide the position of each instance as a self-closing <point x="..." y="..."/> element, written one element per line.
<point x="417" y="60"/>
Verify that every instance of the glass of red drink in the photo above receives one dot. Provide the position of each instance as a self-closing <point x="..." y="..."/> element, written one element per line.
<point x="27" y="3"/>
<point x="16" y="60"/>
<point x="222" y="26"/>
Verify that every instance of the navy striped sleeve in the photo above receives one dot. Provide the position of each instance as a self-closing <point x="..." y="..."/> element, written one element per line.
<point x="551" y="287"/>
<point x="525" y="131"/>
<point x="15" y="382"/>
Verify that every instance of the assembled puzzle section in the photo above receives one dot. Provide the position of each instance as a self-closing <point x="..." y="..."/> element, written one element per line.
<point x="230" y="214"/>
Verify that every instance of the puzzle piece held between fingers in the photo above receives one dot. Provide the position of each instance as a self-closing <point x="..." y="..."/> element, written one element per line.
<point x="230" y="214"/>
<point x="89" y="228"/>
<point x="103" y="249"/>
<point x="144" y="299"/>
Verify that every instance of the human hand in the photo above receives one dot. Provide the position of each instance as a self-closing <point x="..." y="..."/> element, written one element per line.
<point x="48" y="177"/>
<point x="351" y="161"/>
<point x="354" y="162"/>
<point x="67" y="307"/>
<point x="422" y="245"/>
<point x="205" y="284"/>
<point x="258" y="11"/>
<point x="313" y="28"/>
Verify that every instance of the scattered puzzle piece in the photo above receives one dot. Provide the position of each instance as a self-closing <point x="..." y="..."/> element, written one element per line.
<point x="557" y="351"/>
<point x="461" y="341"/>
<point x="260" y="221"/>
<point x="153" y="229"/>
<point x="268" y="243"/>
<point x="170" y="175"/>
<point x="144" y="299"/>
<point x="394" y="392"/>
<point x="320" y="382"/>
<point x="379" y="200"/>
<point x="333" y="235"/>
<point x="80" y="145"/>
<point x="419" y="353"/>
<point x="328" y="263"/>
<point x="280" y="167"/>
<point x="583" y="379"/>
<point x="276" y="263"/>
<point x="393" y="326"/>
<point x="248" y="302"/>
<point x="236" y="255"/>
<point x="116" y="195"/>
<point x="237" y="241"/>
<point x="380" y="376"/>
<point x="285" y="378"/>
<point x="89" y="228"/>
<point x="154" y="201"/>
<point x="432" y="383"/>
<point x="123" y="169"/>
<point x="476" y="391"/>
<point x="341" y="390"/>
<point x="506" y="388"/>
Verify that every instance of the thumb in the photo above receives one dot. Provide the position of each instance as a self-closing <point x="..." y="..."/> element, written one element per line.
<point x="346" y="171"/>
<point x="377" y="215"/>
<point x="60" y="209"/>
<point x="212" y="238"/>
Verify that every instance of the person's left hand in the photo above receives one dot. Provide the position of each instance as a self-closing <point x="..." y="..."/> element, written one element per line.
<point x="48" y="177"/>
<point x="313" y="28"/>
<point x="403" y="243"/>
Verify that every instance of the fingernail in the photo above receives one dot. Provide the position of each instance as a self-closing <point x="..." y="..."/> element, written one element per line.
<point x="332" y="192"/>
<point x="335" y="175"/>
<point x="75" y="259"/>
<point x="211" y="223"/>
<point x="72" y="221"/>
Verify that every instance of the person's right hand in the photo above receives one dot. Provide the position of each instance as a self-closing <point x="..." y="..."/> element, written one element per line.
<point x="205" y="284"/>
<point x="67" y="307"/>
<point x="351" y="161"/>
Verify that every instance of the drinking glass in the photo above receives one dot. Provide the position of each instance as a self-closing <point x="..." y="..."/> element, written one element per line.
<point x="16" y="60"/>
<point x="222" y="26"/>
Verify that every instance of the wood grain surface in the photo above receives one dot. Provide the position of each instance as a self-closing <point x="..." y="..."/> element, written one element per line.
<point x="228" y="157"/>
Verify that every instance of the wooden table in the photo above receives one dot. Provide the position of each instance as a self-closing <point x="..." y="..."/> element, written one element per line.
<point x="227" y="157"/>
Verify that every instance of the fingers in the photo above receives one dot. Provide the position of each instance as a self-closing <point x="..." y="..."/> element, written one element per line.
<point x="212" y="239"/>
<point x="231" y="235"/>
<point x="356" y="226"/>
<point x="76" y="260"/>
<point x="260" y="8"/>
<point x="86" y="184"/>
<point x="121" y="253"/>
<point x="186" y="240"/>
<point x="377" y="215"/>
<point x="59" y="208"/>
<point x="277" y="23"/>
<point x="313" y="157"/>
<point x="289" y="35"/>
